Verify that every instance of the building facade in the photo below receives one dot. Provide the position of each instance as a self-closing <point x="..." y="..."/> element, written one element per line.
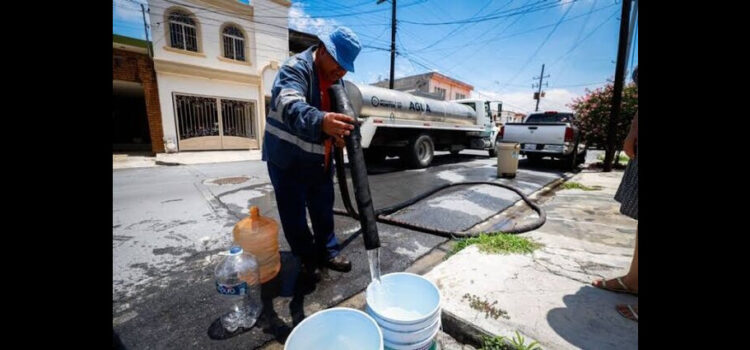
<point x="215" y="63"/>
<point x="136" y="114"/>
<point x="432" y="85"/>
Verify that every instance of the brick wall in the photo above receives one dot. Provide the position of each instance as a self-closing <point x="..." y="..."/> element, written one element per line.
<point x="137" y="67"/>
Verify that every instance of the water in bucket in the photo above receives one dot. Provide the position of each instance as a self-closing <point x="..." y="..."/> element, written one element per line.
<point x="407" y="309"/>
<point x="336" y="328"/>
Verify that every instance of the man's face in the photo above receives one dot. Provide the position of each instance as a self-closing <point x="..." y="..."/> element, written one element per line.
<point x="329" y="68"/>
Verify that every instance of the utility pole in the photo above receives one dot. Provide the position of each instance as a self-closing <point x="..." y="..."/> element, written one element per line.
<point x="631" y="28"/>
<point x="145" y="29"/>
<point x="538" y="95"/>
<point x="617" y="89"/>
<point x="393" y="39"/>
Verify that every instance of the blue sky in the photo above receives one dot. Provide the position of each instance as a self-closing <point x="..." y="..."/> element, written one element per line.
<point x="499" y="55"/>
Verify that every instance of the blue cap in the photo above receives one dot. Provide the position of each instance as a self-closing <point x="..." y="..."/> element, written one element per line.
<point x="343" y="45"/>
<point x="235" y="250"/>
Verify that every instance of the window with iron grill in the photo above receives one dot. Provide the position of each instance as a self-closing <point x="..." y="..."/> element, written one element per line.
<point x="234" y="43"/>
<point x="196" y="116"/>
<point x="182" y="32"/>
<point x="236" y="118"/>
<point x="199" y="116"/>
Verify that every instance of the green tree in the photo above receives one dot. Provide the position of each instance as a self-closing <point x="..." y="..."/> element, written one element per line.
<point x="593" y="112"/>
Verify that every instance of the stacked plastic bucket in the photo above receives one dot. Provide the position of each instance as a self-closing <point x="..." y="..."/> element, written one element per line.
<point x="407" y="309"/>
<point x="403" y="313"/>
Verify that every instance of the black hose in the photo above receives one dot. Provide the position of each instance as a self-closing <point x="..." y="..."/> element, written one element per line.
<point x="364" y="199"/>
<point x="382" y="214"/>
<point x="362" y="194"/>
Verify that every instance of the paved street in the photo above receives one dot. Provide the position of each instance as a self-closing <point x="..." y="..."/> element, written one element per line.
<point x="171" y="222"/>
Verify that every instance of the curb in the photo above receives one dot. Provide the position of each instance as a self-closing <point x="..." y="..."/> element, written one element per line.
<point x="464" y="331"/>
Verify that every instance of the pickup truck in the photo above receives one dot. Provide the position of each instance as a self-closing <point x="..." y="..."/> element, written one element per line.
<point x="548" y="134"/>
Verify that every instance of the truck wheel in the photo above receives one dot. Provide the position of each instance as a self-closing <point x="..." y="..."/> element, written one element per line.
<point x="582" y="157"/>
<point x="571" y="162"/>
<point x="493" y="150"/>
<point x="419" y="152"/>
<point x="374" y="156"/>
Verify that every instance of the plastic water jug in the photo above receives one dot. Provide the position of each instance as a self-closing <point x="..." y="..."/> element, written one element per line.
<point x="259" y="235"/>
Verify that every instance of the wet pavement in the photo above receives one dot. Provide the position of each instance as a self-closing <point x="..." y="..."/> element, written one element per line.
<point x="171" y="223"/>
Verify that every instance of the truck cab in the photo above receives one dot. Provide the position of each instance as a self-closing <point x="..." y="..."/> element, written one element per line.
<point x="487" y="119"/>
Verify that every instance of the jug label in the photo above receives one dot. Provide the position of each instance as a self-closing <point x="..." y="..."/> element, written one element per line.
<point x="232" y="289"/>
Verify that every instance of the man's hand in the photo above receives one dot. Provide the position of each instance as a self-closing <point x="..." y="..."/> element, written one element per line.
<point x="339" y="142"/>
<point x="337" y="125"/>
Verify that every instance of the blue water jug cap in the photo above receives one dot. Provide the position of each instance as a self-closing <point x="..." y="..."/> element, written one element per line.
<point x="235" y="250"/>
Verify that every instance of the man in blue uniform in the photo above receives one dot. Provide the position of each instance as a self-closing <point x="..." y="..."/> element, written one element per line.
<point x="298" y="141"/>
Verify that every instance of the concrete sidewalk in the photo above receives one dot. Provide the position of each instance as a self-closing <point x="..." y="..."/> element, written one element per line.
<point x="547" y="294"/>
<point x="142" y="160"/>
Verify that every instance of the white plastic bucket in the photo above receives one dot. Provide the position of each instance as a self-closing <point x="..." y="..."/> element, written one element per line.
<point x="410" y="337"/>
<point x="423" y="345"/>
<point x="407" y="309"/>
<point x="401" y="327"/>
<point x="336" y="328"/>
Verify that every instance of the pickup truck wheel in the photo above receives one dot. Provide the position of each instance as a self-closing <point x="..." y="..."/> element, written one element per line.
<point x="493" y="150"/>
<point x="582" y="157"/>
<point x="571" y="162"/>
<point x="419" y="152"/>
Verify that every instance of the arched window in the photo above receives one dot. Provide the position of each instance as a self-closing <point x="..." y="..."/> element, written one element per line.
<point x="234" y="43"/>
<point x="182" y="31"/>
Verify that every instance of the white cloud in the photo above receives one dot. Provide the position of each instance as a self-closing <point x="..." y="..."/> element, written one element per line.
<point x="301" y="21"/>
<point x="524" y="102"/>
<point x="128" y="11"/>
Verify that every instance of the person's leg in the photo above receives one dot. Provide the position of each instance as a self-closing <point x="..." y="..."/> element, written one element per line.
<point x="320" y="197"/>
<point x="627" y="283"/>
<point x="631" y="279"/>
<point x="290" y="201"/>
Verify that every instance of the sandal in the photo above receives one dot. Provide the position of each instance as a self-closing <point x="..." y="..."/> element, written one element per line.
<point x="603" y="285"/>
<point x="628" y="311"/>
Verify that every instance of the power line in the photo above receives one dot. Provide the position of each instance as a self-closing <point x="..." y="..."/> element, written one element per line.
<point x="331" y="16"/>
<point x="585" y="22"/>
<point x="499" y="37"/>
<point x="457" y="28"/>
<point x="577" y="44"/>
<point x="533" y="55"/>
<point x="206" y="21"/>
<point x="211" y="22"/>
<point x="578" y="85"/>
<point x="509" y="13"/>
